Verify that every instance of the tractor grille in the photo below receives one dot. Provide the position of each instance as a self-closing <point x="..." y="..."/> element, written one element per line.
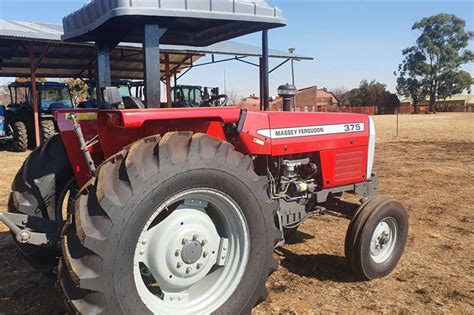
<point x="349" y="165"/>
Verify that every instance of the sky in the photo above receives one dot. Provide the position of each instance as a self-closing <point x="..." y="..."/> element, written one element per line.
<point x="350" y="40"/>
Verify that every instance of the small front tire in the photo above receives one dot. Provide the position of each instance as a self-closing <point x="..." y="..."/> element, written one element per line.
<point x="376" y="238"/>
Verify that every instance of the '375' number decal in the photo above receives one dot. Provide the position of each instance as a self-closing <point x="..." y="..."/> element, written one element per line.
<point x="353" y="127"/>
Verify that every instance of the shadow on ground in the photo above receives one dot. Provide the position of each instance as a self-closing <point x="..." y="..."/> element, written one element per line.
<point x="299" y="237"/>
<point x="323" y="267"/>
<point x="23" y="290"/>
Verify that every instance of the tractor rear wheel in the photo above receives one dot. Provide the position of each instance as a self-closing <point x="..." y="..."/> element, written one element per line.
<point x="20" y="136"/>
<point x="179" y="224"/>
<point x="40" y="189"/>
<point x="47" y="130"/>
<point x="376" y="238"/>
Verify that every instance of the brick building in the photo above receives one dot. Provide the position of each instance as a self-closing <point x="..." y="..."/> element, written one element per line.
<point x="310" y="99"/>
<point x="251" y="102"/>
<point x="456" y="103"/>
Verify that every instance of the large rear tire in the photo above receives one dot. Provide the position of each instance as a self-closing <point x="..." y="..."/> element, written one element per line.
<point x="148" y="232"/>
<point x="48" y="130"/>
<point x="20" y="136"/>
<point x="39" y="190"/>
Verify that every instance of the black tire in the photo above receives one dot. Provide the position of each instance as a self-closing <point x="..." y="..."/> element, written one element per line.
<point x="96" y="272"/>
<point x="20" y="136"/>
<point x="359" y="235"/>
<point x="38" y="190"/>
<point x="47" y="129"/>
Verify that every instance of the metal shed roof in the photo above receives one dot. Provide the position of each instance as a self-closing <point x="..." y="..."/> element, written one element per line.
<point x="65" y="60"/>
<point x="188" y="22"/>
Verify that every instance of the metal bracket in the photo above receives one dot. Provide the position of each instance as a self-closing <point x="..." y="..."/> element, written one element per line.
<point x="223" y="251"/>
<point x="84" y="145"/>
<point x="19" y="225"/>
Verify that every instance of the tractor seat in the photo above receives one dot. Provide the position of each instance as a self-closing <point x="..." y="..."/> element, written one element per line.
<point x="133" y="103"/>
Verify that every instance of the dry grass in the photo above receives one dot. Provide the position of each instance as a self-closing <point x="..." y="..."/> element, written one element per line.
<point x="429" y="167"/>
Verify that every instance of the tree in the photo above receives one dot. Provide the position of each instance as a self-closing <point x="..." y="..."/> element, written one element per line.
<point x="339" y="92"/>
<point x="433" y="66"/>
<point x="78" y="89"/>
<point x="28" y="79"/>
<point x="372" y="94"/>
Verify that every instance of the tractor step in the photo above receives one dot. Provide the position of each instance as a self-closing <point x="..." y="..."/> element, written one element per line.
<point x="32" y="230"/>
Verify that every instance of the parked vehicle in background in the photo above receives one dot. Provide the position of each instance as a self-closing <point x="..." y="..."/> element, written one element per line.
<point x="197" y="96"/>
<point x="18" y="117"/>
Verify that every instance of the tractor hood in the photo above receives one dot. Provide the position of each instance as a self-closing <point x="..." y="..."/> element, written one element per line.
<point x="187" y="22"/>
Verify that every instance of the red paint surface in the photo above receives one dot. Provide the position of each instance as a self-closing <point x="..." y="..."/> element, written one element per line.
<point x="349" y="149"/>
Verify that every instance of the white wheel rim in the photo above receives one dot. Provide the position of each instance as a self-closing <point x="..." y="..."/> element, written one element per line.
<point x="384" y="238"/>
<point x="198" y="264"/>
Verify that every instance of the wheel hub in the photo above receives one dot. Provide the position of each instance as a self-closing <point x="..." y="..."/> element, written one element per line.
<point x="191" y="252"/>
<point x="182" y="249"/>
<point x="383" y="240"/>
<point x="184" y="265"/>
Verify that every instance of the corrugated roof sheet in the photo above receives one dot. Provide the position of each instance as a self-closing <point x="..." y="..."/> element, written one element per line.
<point x="53" y="32"/>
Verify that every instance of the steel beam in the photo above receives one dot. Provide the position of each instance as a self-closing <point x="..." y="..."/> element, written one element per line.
<point x="265" y="94"/>
<point x="168" y="80"/>
<point x="104" y="74"/>
<point x="34" y="94"/>
<point x="151" y="65"/>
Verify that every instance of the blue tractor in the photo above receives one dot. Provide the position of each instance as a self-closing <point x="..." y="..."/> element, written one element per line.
<point x="17" y="119"/>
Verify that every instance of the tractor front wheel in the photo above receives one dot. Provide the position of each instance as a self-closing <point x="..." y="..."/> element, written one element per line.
<point x="41" y="188"/>
<point x="20" y="136"/>
<point x="172" y="225"/>
<point x="376" y="238"/>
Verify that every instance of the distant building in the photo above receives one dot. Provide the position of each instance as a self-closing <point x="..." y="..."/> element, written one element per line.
<point x="251" y="102"/>
<point x="310" y="99"/>
<point x="456" y="103"/>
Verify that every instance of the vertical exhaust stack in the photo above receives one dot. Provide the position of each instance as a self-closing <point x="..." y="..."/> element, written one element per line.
<point x="287" y="92"/>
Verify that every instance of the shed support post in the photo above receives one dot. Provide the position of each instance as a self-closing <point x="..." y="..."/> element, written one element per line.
<point x="168" y="80"/>
<point x="151" y="65"/>
<point x="34" y="94"/>
<point x="104" y="75"/>
<point x="260" y="75"/>
<point x="265" y="95"/>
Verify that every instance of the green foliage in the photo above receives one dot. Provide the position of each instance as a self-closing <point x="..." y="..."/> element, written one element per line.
<point x="372" y="94"/>
<point x="432" y="67"/>
<point x="78" y="89"/>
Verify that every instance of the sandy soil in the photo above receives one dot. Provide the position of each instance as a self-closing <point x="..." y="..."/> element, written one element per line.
<point x="429" y="167"/>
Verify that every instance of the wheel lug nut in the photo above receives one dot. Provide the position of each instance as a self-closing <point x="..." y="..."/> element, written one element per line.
<point x="195" y="237"/>
<point x="204" y="242"/>
<point x="176" y="253"/>
<point x="188" y="270"/>
<point x="144" y="242"/>
<point x="204" y="255"/>
<point x="184" y="241"/>
<point x="198" y="266"/>
<point x="178" y="265"/>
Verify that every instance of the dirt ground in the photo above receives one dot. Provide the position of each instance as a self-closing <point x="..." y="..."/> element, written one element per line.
<point x="429" y="167"/>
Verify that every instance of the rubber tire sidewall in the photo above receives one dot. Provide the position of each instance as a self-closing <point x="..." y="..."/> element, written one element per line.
<point x="369" y="267"/>
<point x="20" y="130"/>
<point x="122" y="249"/>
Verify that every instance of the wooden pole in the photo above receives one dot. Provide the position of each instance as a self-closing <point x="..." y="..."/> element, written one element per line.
<point x="34" y="94"/>
<point x="398" y="126"/>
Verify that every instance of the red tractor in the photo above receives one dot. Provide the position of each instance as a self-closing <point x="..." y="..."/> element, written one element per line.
<point x="179" y="210"/>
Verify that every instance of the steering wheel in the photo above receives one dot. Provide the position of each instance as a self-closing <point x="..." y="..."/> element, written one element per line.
<point x="222" y="100"/>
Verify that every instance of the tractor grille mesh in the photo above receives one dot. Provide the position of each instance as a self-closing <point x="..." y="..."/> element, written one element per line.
<point x="349" y="165"/>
